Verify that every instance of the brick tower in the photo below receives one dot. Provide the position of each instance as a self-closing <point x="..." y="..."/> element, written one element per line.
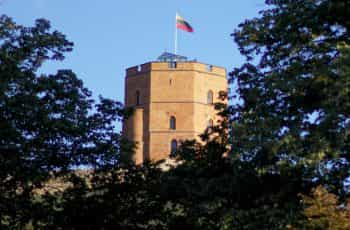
<point x="172" y="100"/>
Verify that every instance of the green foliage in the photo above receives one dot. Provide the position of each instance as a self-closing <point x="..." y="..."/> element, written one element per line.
<point x="47" y="127"/>
<point x="294" y="91"/>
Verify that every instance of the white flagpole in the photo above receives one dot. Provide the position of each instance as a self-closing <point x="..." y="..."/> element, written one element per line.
<point x="175" y="51"/>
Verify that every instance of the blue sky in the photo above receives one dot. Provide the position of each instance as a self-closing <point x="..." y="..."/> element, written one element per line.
<point x="112" y="35"/>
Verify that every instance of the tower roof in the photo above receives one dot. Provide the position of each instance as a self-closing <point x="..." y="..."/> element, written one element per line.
<point x="170" y="57"/>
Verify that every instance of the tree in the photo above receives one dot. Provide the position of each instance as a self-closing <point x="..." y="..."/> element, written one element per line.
<point x="48" y="126"/>
<point x="294" y="91"/>
<point x="324" y="211"/>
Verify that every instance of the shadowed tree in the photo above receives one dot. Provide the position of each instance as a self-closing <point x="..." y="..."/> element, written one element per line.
<point x="294" y="91"/>
<point x="49" y="125"/>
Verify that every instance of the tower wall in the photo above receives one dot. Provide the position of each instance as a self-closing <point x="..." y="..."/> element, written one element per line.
<point x="171" y="95"/>
<point x="137" y="126"/>
<point x="205" y="81"/>
<point x="134" y="125"/>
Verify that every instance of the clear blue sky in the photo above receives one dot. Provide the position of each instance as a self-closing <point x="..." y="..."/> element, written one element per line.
<point x="111" y="35"/>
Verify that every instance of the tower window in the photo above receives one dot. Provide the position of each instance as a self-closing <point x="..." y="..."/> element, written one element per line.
<point x="172" y="65"/>
<point x="210" y="123"/>
<point x="210" y="97"/>
<point x="173" y="147"/>
<point x="137" y="97"/>
<point x="209" y="68"/>
<point x="172" y="122"/>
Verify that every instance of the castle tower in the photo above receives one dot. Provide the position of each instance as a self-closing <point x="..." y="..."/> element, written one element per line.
<point x="172" y="100"/>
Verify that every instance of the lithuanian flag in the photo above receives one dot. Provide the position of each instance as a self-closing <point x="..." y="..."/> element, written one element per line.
<point x="182" y="24"/>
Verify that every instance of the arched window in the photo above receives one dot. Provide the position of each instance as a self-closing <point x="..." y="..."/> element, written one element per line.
<point x="172" y="123"/>
<point x="137" y="97"/>
<point x="210" y="97"/>
<point x="173" y="147"/>
<point x="210" y="123"/>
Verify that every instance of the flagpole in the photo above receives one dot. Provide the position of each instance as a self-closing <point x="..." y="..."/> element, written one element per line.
<point x="175" y="47"/>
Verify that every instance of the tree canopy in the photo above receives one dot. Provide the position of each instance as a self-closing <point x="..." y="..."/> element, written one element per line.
<point x="47" y="125"/>
<point x="295" y="90"/>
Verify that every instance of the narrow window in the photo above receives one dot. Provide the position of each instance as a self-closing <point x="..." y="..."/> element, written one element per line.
<point x="137" y="97"/>
<point x="210" y="97"/>
<point x="172" y="65"/>
<point x="209" y="68"/>
<point x="173" y="148"/>
<point x="172" y="123"/>
<point x="210" y="123"/>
